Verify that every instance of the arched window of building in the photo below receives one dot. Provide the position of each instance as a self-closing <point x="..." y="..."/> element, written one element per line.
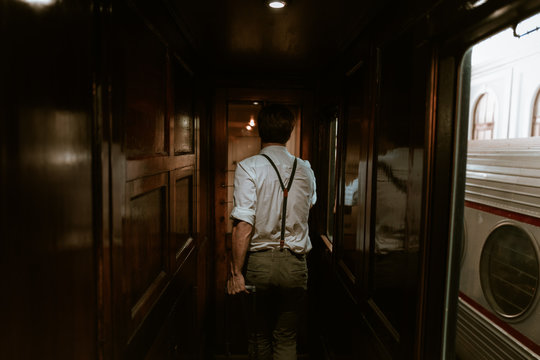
<point x="535" y="131"/>
<point x="484" y="114"/>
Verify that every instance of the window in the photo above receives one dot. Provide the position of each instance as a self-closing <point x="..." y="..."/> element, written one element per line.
<point x="494" y="188"/>
<point x="509" y="270"/>
<point x="484" y="116"/>
<point x="536" y="116"/>
<point x="332" y="156"/>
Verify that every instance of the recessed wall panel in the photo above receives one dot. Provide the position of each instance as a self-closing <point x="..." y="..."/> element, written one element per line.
<point x="183" y="110"/>
<point x="184" y="212"/>
<point x="146" y="241"/>
<point x="144" y="67"/>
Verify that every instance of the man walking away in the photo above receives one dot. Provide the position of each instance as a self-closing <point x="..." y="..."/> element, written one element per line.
<point x="273" y="193"/>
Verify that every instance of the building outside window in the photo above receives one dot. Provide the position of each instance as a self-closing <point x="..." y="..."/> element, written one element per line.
<point x="484" y="116"/>
<point x="536" y="116"/>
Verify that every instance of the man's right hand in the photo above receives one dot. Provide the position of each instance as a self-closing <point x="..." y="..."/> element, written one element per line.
<point x="236" y="284"/>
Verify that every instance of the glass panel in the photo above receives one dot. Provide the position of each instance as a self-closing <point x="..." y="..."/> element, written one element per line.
<point x="332" y="156"/>
<point x="399" y="154"/>
<point x="509" y="271"/>
<point x="499" y="269"/>
<point x="504" y="83"/>
<point x="351" y="246"/>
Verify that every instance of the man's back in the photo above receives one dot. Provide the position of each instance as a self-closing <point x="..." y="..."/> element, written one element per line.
<point x="258" y="199"/>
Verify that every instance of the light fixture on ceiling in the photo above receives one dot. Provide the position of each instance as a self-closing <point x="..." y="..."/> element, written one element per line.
<point x="39" y="3"/>
<point x="473" y="4"/>
<point x="276" y="4"/>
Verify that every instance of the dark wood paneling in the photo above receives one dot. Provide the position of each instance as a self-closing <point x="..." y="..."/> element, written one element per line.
<point x="154" y="261"/>
<point x="204" y="220"/>
<point x="144" y="167"/>
<point x="47" y="258"/>
<point x="143" y="67"/>
<point x="182" y="215"/>
<point x="220" y="209"/>
<point x="183" y="108"/>
<point x="177" y="338"/>
<point x="145" y="243"/>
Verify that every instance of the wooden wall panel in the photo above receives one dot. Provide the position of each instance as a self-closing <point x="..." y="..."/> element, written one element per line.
<point x="182" y="215"/>
<point x="144" y="75"/>
<point x="177" y="337"/>
<point x="145" y="244"/>
<point x="47" y="259"/>
<point x="183" y="108"/>
<point x="90" y="184"/>
<point x="155" y="263"/>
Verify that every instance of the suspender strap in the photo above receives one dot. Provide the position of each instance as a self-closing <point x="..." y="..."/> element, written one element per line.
<point x="285" y="196"/>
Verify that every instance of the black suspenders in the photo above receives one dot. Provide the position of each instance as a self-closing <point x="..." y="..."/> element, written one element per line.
<point x="285" y="195"/>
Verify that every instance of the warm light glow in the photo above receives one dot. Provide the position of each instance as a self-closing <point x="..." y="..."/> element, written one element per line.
<point x="249" y="127"/>
<point x="39" y="2"/>
<point x="275" y="4"/>
<point x="252" y="122"/>
<point x="474" y="4"/>
<point x="255" y="103"/>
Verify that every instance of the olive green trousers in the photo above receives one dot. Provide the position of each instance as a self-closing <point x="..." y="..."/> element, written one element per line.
<point x="280" y="280"/>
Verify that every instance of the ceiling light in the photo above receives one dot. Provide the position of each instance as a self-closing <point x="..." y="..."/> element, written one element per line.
<point x="39" y="3"/>
<point x="276" y="4"/>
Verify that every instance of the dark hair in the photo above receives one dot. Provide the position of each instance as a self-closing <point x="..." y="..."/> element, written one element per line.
<point x="276" y="122"/>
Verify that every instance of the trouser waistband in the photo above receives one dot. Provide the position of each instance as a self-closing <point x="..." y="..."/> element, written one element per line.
<point x="277" y="251"/>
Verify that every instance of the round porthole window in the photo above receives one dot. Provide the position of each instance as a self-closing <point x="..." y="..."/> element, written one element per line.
<point x="509" y="271"/>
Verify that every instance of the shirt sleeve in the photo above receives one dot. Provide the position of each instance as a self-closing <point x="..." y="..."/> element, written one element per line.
<point x="245" y="196"/>
<point x="312" y="175"/>
<point x="314" y="196"/>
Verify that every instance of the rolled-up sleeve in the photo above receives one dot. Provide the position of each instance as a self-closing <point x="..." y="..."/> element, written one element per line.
<point x="314" y="195"/>
<point x="245" y="196"/>
<point x="314" y="184"/>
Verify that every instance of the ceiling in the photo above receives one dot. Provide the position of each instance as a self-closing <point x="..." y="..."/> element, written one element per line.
<point x="247" y="37"/>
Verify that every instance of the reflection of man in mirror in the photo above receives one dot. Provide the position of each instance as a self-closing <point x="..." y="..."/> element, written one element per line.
<point x="392" y="172"/>
<point x="351" y="193"/>
<point x="273" y="193"/>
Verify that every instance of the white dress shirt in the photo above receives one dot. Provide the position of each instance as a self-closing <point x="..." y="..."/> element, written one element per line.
<point x="258" y="199"/>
